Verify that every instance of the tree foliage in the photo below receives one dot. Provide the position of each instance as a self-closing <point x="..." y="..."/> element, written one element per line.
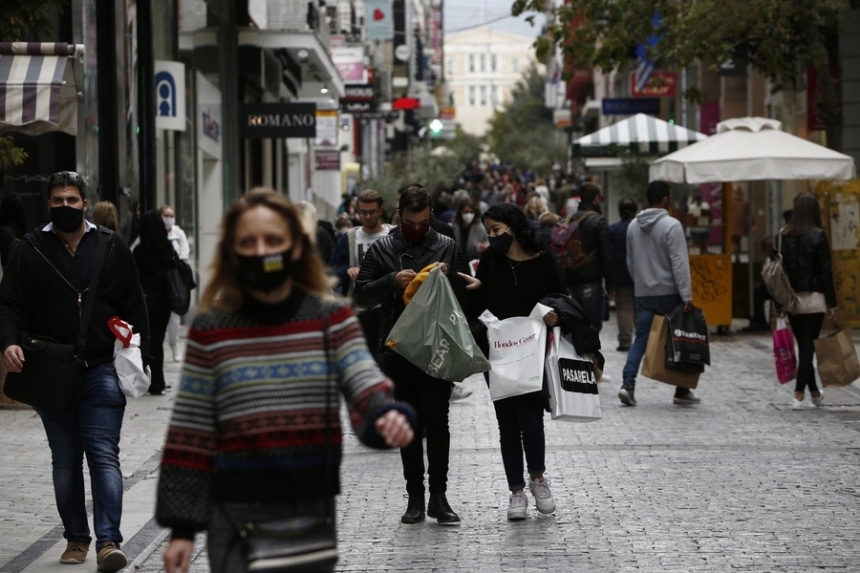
<point x="523" y="132"/>
<point x="779" y="38"/>
<point x="20" y="21"/>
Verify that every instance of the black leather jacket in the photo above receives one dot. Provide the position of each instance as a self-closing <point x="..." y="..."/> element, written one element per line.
<point x="375" y="283"/>
<point x="594" y="231"/>
<point x="807" y="264"/>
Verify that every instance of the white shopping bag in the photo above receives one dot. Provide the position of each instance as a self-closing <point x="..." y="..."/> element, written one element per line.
<point x="133" y="379"/>
<point x="572" y="382"/>
<point x="517" y="351"/>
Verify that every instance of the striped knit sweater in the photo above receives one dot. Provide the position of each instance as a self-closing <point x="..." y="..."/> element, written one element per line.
<point x="249" y="422"/>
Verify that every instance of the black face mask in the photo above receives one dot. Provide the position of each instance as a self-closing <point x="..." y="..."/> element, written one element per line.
<point x="67" y="219"/>
<point x="265" y="273"/>
<point x="501" y="243"/>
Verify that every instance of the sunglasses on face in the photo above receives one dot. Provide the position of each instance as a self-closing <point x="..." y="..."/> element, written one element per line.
<point x="63" y="178"/>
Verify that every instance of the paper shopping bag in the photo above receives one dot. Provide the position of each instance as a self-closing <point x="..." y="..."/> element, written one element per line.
<point x="654" y="361"/>
<point x="837" y="359"/>
<point x="783" y="352"/>
<point x="517" y="352"/>
<point x="134" y="379"/>
<point x="572" y="382"/>
<point x="433" y="333"/>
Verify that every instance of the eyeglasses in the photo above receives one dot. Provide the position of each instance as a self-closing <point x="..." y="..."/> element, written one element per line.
<point x="370" y="213"/>
<point x="63" y="178"/>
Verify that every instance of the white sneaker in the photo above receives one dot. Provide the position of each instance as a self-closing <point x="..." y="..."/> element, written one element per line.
<point x="459" y="392"/>
<point x="800" y="404"/>
<point x="177" y="356"/>
<point x="517" y="506"/>
<point x="816" y="401"/>
<point x="543" y="497"/>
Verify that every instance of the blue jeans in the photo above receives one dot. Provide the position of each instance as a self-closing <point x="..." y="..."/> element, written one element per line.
<point x="646" y="308"/>
<point x="592" y="299"/>
<point x="91" y="427"/>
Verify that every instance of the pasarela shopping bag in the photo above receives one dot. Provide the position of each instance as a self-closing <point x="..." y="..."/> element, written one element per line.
<point x="572" y="382"/>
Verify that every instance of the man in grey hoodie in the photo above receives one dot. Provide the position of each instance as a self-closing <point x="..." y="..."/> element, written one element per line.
<point x="659" y="263"/>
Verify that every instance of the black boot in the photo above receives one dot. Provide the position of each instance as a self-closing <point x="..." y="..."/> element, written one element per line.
<point x="439" y="508"/>
<point x="415" y="510"/>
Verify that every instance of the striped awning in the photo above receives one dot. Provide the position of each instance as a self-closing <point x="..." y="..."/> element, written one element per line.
<point x="640" y="134"/>
<point x="37" y="87"/>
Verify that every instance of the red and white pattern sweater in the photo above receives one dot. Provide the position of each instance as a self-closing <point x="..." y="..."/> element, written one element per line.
<point x="250" y="419"/>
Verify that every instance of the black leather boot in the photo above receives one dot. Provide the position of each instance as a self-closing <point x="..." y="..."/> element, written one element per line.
<point x="415" y="510"/>
<point x="439" y="509"/>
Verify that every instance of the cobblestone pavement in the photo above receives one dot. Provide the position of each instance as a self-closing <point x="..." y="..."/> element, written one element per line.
<point x="740" y="483"/>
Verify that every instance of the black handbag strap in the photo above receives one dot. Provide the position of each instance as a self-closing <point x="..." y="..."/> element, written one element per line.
<point x="86" y="312"/>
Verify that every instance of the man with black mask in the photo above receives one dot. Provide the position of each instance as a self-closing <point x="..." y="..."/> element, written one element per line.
<point x="45" y="287"/>
<point x="389" y="266"/>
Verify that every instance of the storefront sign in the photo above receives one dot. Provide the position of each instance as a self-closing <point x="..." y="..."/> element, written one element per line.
<point x="630" y="106"/>
<point x="327" y="129"/>
<point x="326" y="160"/>
<point x="358" y="92"/>
<point x="169" y="95"/>
<point x="378" y="20"/>
<point x="349" y="62"/>
<point x="660" y="84"/>
<point x="278" y="120"/>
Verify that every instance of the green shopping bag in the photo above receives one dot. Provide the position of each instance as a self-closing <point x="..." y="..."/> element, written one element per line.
<point x="433" y="334"/>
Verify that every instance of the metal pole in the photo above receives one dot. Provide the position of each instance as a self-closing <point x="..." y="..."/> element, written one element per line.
<point x="108" y="132"/>
<point x="146" y="105"/>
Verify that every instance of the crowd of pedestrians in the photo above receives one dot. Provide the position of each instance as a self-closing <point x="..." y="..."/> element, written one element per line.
<point x="294" y="318"/>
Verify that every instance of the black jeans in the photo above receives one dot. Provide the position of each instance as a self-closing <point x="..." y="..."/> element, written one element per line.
<point x="806" y="328"/>
<point x="521" y="428"/>
<point x="430" y="398"/>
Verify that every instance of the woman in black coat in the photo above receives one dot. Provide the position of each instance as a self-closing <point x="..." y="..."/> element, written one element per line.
<point x="806" y="256"/>
<point x="154" y="256"/>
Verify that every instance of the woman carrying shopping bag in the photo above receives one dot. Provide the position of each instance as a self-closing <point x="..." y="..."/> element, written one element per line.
<point x="806" y="256"/>
<point x="513" y="275"/>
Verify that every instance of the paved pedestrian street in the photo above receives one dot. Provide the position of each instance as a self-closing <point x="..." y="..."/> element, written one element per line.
<point x="740" y="483"/>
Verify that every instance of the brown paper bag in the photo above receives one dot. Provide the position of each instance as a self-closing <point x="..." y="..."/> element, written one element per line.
<point x="837" y="359"/>
<point x="654" y="361"/>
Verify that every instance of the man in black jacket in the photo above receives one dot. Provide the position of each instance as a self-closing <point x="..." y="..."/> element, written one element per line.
<point x="388" y="267"/>
<point x="588" y="283"/>
<point x="44" y="295"/>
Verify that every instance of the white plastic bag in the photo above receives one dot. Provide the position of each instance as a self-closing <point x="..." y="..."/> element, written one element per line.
<point x="572" y="382"/>
<point x="517" y="351"/>
<point x="133" y="379"/>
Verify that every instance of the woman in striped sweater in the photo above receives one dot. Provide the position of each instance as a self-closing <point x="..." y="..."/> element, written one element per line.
<point x="255" y="432"/>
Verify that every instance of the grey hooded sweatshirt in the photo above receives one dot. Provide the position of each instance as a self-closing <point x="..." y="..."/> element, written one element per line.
<point x="657" y="255"/>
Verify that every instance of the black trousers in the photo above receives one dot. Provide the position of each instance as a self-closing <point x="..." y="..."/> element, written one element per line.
<point x="806" y="328"/>
<point x="159" y="315"/>
<point x="430" y="398"/>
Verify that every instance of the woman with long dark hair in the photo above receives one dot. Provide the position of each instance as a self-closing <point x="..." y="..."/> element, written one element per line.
<point x="513" y="275"/>
<point x="806" y="255"/>
<point x="255" y="434"/>
<point x="469" y="231"/>
<point x="154" y="256"/>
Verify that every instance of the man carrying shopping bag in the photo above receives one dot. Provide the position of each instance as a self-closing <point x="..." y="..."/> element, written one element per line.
<point x="389" y="266"/>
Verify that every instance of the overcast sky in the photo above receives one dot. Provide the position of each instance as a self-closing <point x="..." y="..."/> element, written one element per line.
<point x="464" y="14"/>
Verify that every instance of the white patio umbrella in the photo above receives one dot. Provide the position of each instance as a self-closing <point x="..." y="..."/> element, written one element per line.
<point x="752" y="149"/>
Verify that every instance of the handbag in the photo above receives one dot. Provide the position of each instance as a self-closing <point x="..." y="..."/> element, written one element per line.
<point x="180" y="283"/>
<point x="837" y="359"/>
<point x="783" y="352"/>
<point x="52" y="370"/>
<point x="134" y="378"/>
<point x="517" y="352"/>
<point x="305" y="542"/>
<point x="572" y="382"/>
<point x="776" y="280"/>
<point x="433" y="334"/>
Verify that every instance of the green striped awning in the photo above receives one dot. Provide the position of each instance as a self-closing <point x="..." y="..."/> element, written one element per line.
<point x="641" y="134"/>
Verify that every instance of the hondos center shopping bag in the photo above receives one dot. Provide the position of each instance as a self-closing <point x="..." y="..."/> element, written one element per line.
<point x="837" y="359"/>
<point x="517" y="352"/>
<point x="572" y="382"/>
<point x="654" y="361"/>
<point x="433" y="333"/>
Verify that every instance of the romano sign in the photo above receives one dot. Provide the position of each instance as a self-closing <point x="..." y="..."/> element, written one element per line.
<point x="279" y="120"/>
